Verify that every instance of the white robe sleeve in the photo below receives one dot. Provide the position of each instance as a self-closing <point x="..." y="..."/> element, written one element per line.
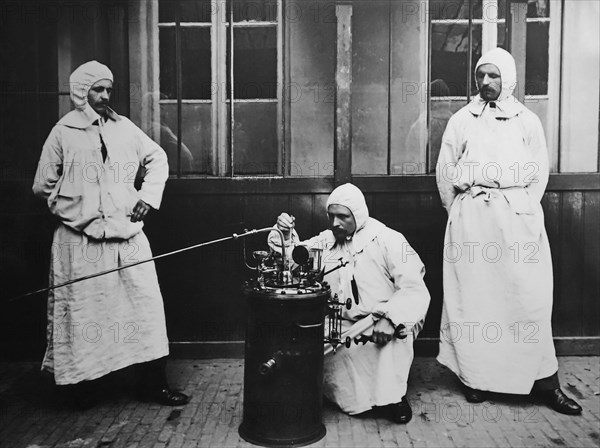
<point x="446" y="168"/>
<point x="154" y="160"/>
<point x="536" y="141"/>
<point x="50" y="166"/>
<point x="409" y="303"/>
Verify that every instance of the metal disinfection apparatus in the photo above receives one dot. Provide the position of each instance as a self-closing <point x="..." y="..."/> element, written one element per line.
<point x="283" y="372"/>
<point x="293" y="322"/>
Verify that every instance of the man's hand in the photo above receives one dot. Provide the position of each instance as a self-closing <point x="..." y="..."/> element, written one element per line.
<point x="383" y="331"/>
<point x="285" y="223"/>
<point x="140" y="211"/>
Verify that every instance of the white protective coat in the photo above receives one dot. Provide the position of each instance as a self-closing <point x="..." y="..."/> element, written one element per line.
<point x="109" y="322"/>
<point x="389" y="277"/>
<point x="492" y="172"/>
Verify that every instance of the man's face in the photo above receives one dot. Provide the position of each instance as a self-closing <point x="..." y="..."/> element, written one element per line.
<point x="99" y="96"/>
<point x="341" y="221"/>
<point x="489" y="82"/>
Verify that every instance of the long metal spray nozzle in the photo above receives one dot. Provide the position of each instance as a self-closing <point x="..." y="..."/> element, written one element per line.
<point x="235" y="236"/>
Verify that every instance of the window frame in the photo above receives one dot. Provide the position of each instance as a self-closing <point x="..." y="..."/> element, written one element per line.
<point x="489" y="40"/>
<point x="222" y="152"/>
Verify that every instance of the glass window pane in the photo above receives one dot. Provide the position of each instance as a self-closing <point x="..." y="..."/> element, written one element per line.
<point x="196" y="137"/>
<point x="502" y="43"/>
<point x="168" y="76"/>
<point x="502" y="8"/>
<point x="255" y="145"/>
<point x="449" y="51"/>
<point x="536" y="65"/>
<point x="196" y="63"/>
<point x="440" y="112"/>
<point x="254" y="10"/>
<point x="191" y="10"/>
<point x="254" y="63"/>
<point x="370" y="86"/>
<point x="459" y="9"/>
<point x="538" y="8"/>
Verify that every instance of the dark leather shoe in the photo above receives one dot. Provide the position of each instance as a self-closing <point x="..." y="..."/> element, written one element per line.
<point x="399" y="412"/>
<point x="560" y="402"/>
<point x="166" y="397"/>
<point x="474" y="395"/>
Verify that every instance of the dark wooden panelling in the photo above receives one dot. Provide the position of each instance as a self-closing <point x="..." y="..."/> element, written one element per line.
<point x="202" y="287"/>
<point x="591" y="264"/>
<point x="551" y="203"/>
<point x="368" y="184"/>
<point x="569" y="301"/>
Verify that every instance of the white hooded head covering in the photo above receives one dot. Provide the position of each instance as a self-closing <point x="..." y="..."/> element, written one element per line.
<point x="507" y="105"/>
<point x="350" y="196"/>
<point x="83" y="78"/>
<point x="507" y="67"/>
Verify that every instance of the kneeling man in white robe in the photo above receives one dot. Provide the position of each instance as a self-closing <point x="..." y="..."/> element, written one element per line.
<point x="383" y="277"/>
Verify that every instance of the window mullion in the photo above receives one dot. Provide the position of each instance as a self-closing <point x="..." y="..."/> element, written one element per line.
<point x="219" y="94"/>
<point x="231" y="92"/>
<point x="470" y="51"/>
<point x="281" y="155"/>
<point x="179" y="76"/>
<point x="489" y="30"/>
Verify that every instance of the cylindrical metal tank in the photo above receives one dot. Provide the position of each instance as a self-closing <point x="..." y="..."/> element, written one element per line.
<point x="283" y="371"/>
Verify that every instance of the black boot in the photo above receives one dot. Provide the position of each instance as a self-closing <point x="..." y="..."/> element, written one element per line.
<point x="474" y="395"/>
<point x="399" y="412"/>
<point x="152" y="384"/>
<point x="560" y="402"/>
<point x="548" y="389"/>
<point x="80" y="396"/>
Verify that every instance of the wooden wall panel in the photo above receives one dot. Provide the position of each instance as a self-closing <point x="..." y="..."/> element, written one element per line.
<point x="569" y="300"/>
<point x="590" y="323"/>
<point x="201" y="288"/>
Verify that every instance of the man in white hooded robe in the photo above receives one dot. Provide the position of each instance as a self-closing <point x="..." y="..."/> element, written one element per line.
<point x="492" y="171"/>
<point x="388" y="277"/>
<point x="86" y="175"/>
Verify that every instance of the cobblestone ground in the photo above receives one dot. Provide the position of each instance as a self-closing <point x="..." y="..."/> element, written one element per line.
<point x="34" y="414"/>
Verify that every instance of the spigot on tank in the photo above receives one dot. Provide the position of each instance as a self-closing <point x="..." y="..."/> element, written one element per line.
<point x="271" y="364"/>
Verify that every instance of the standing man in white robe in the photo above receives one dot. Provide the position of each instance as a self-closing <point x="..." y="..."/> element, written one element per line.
<point x="388" y="278"/>
<point x="492" y="171"/>
<point x="86" y="175"/>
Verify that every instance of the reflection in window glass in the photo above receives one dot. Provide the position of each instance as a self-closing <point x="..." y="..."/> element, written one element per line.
<point x="449" y="55"/>
<point x="538" y="8"/>
<point x="195" y="139"/>
<point x="439" y="114"/>
<point x="454" y="10"/>
<point x="536" y="65"/>
<point x="255" y="138"/>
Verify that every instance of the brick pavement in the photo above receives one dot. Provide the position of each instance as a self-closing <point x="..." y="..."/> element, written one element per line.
<point x="33" y="414"/>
